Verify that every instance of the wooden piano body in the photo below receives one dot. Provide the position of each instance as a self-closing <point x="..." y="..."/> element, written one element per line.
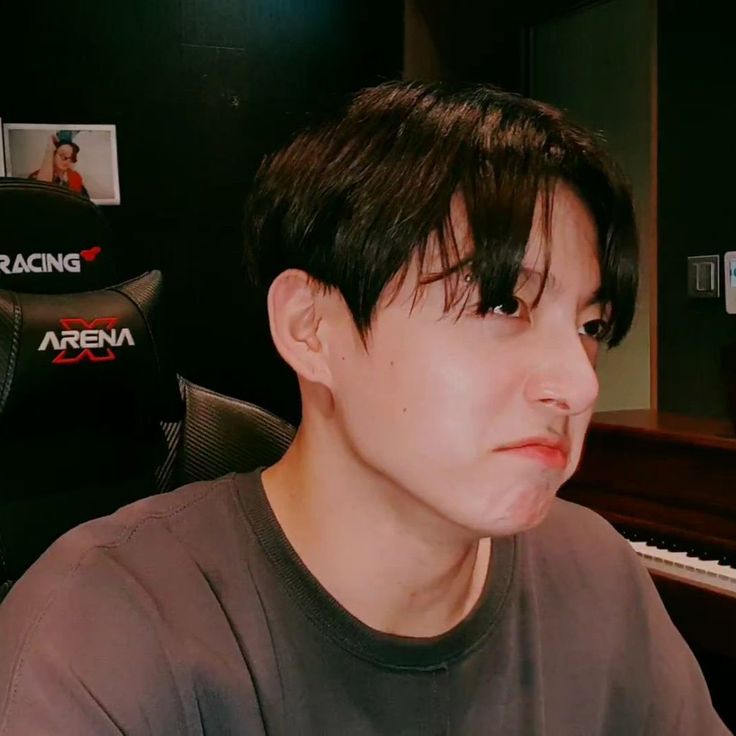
<point x="665" y="478"/>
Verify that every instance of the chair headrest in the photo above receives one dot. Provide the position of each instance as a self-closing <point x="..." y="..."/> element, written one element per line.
<point x="52" y="240"/>
<point x="79" y="358"/>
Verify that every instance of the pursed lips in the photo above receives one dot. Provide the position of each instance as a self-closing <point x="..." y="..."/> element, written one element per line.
<point x="552" y="451"/>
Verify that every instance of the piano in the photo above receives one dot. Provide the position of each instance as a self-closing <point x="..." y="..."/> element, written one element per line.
<point x="667" y="483"/>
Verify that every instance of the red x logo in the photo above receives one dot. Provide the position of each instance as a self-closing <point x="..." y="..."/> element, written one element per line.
<point x="78" y="324"/>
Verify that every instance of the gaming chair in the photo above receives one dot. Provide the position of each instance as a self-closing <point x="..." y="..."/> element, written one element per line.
<point x="92" y="414"/>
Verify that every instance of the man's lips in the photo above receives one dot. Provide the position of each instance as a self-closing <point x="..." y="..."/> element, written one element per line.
<point x="551" y="451"/>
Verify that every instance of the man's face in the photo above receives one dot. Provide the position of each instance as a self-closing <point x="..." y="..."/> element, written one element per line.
<point x="436" y="402"/>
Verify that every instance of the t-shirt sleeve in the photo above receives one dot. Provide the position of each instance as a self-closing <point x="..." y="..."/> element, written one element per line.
<point x="85" y="653"/>
<point x="656" y="679"/>
<point x="120" y="626"/>
<point x="679" y="702"/>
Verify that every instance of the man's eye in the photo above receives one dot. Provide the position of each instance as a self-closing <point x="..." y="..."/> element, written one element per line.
<point x="595" y="328"/>
<point x="512" y="307"/>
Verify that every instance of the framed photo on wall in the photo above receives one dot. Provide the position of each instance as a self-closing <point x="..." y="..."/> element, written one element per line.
<point x="82" y="158"/>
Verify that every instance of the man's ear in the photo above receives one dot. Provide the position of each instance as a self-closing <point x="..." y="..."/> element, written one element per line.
<point x="295" y="318"/>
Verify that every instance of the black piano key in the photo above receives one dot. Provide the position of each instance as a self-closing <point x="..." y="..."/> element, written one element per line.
<point x="708" y="554"/>
<point x="670" y="544"/>
<point x="632" y="534"/>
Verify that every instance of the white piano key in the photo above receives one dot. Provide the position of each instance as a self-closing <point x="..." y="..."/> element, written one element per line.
<point x="678" y="564"/>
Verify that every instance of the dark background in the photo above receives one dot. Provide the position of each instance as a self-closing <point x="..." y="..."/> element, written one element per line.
<point x="697" y="160"/>
<point x="200" y="90"/>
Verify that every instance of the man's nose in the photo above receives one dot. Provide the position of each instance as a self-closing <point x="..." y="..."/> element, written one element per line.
<point x="564" y="379"/>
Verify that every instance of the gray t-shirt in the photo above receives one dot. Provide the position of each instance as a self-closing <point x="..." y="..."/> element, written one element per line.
<point x="190" y="613"/>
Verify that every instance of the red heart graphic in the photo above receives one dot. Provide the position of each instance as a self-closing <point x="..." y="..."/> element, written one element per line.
<point x="91" y="253"/>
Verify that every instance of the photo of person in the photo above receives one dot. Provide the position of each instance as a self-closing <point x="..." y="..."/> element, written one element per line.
<point x="81" y="158"/>
<point x="58" y="162"/>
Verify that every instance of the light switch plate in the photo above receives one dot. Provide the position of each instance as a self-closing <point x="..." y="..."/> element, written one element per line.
<point x="703" y="277"/>
<point x="729" y="281"/>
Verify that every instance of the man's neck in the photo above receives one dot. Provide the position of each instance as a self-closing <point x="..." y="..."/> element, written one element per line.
<point x="377" y="552"/>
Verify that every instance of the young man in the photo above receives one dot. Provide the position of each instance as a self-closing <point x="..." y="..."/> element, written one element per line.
<point x="442" y="268"/>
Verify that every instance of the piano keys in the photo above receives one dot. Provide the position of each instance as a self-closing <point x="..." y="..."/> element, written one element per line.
<point x="689" y="568"/>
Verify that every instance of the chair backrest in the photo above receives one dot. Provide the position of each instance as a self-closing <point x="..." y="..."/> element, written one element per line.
<point x="83" y="393"/>
<point x="221" y="434"/>
<point x="92" y="416"/>
<point x="52" y="240"/>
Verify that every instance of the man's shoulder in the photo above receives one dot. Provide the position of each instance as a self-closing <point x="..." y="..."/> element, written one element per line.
<point x="116" y="588"/>
<point x="579" y="522"/>
<point x="577" y="536"/>
<point x="598" y="593"/>
<point x="162" y="511"/>
<point x="140" y="539"/>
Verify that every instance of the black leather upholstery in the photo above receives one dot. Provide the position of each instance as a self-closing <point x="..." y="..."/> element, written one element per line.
<point x="82" y="357"/>
<point x="80" y="422"/>
<point x="91" y="414"/>
<point x="52" y="240"/>
<point x="222" y="434"/>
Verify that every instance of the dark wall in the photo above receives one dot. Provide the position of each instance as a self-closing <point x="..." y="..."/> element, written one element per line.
<point x="483" y="40"/>
<point x="199" y="90"/>
<point x="697" y="109"/>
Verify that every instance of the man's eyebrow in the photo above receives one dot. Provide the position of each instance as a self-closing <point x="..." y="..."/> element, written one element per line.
<point x="550" y="282"/>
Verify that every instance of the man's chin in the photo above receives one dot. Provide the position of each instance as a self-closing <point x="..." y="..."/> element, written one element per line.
<point x="518" y="520"/>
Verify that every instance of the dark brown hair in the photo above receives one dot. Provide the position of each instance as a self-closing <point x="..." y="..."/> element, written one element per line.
<point x="353" y="201"/>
